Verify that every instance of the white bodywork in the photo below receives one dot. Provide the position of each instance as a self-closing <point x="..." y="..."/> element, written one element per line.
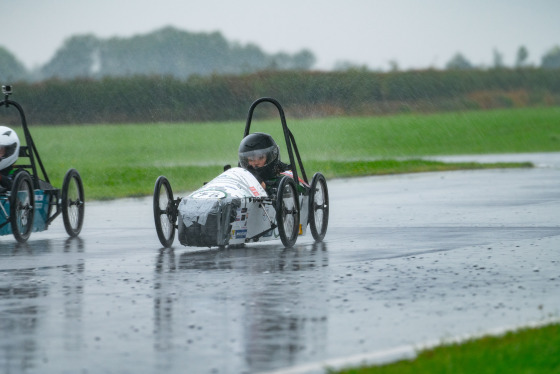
<point x="235" y="192"/>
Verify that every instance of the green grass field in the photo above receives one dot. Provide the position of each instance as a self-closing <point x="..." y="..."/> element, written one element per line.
<point x="125" y="160"/>
<point x="531" y="350"/>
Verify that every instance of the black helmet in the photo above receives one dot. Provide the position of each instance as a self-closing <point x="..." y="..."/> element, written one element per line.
<point x="259" y="146"/>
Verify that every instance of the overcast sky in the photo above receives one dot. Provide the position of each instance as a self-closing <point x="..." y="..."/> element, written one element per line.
<point x="414" y="33"/>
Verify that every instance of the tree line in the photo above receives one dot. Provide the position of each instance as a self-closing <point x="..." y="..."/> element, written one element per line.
<point x="167" y="51"/>
<point x="182" y="54"/>
<point x="302" y="93"/>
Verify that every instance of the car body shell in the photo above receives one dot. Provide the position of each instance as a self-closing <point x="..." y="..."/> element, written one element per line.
<point x="232" y="209"/>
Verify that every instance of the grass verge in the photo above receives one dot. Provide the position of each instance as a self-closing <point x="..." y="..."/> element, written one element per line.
<point x="346" y="169"/>
<point x="530" y="350"/>
<point x="125" y="160"/>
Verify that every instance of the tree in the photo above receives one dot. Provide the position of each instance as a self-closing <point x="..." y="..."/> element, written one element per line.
<point x="169" y="52"/>
<point x="303" y="60"/>
<point x="245" y="59"/>
<point x="458" y="62"/>
<point x="279" y="61"/>
<point x="345" y="65"/>
<point x="78" y="57"/>
<point x="551" y="59"/>
<point x="11" y="70"/>
<point x="522" y="55"/>
<point x="498" y="59"/>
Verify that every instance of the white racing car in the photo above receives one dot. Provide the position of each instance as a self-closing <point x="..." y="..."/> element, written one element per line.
<point x="234" y="208"/>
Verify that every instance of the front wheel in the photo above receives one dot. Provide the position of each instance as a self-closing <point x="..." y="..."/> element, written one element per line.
<point x="165" y="212"/>
<point x="22" y="206"/>
<point x="73" y="202"/>
<point x="318" y="207"/>
<point x="287" y="212"/>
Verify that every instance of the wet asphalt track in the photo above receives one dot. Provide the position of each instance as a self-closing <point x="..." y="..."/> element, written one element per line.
<point x="407" y="260"/>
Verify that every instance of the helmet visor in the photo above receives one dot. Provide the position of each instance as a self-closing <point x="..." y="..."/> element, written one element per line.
<point x="7" y="150"/>
<point x="258" y="158"/>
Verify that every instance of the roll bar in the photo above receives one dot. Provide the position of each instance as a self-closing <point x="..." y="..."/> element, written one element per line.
<point x="288" y="136"/>
<point x="29" y="149"/>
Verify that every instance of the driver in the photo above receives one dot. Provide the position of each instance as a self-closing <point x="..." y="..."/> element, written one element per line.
<point x="259" y="153"/>
<point x="9" y="151"/>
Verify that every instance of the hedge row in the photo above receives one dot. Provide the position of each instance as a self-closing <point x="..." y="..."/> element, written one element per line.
<point x="218" y="98"/>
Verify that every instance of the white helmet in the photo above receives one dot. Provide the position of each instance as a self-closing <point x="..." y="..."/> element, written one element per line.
<point x="9" y="147"/>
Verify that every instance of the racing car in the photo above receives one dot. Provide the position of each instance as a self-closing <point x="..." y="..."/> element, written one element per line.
<point x="234" y="208"/>
<point x="32" y="203"/>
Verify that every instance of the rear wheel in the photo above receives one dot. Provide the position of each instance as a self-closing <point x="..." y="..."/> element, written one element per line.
<point x="318" y="207"/>
<point x="22" y="206"/>
<point x="73" y="202"/>
<point x="165" y="212"/>
<point x="287" y="212"/>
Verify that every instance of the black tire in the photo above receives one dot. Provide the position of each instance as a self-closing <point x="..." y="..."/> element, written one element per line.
<point x="287" y="212"/>
<point x="318" y="207"/>
<point x="165" y="212"/>
<point x="73" y="203"/>
<point x="22" y="206"/>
